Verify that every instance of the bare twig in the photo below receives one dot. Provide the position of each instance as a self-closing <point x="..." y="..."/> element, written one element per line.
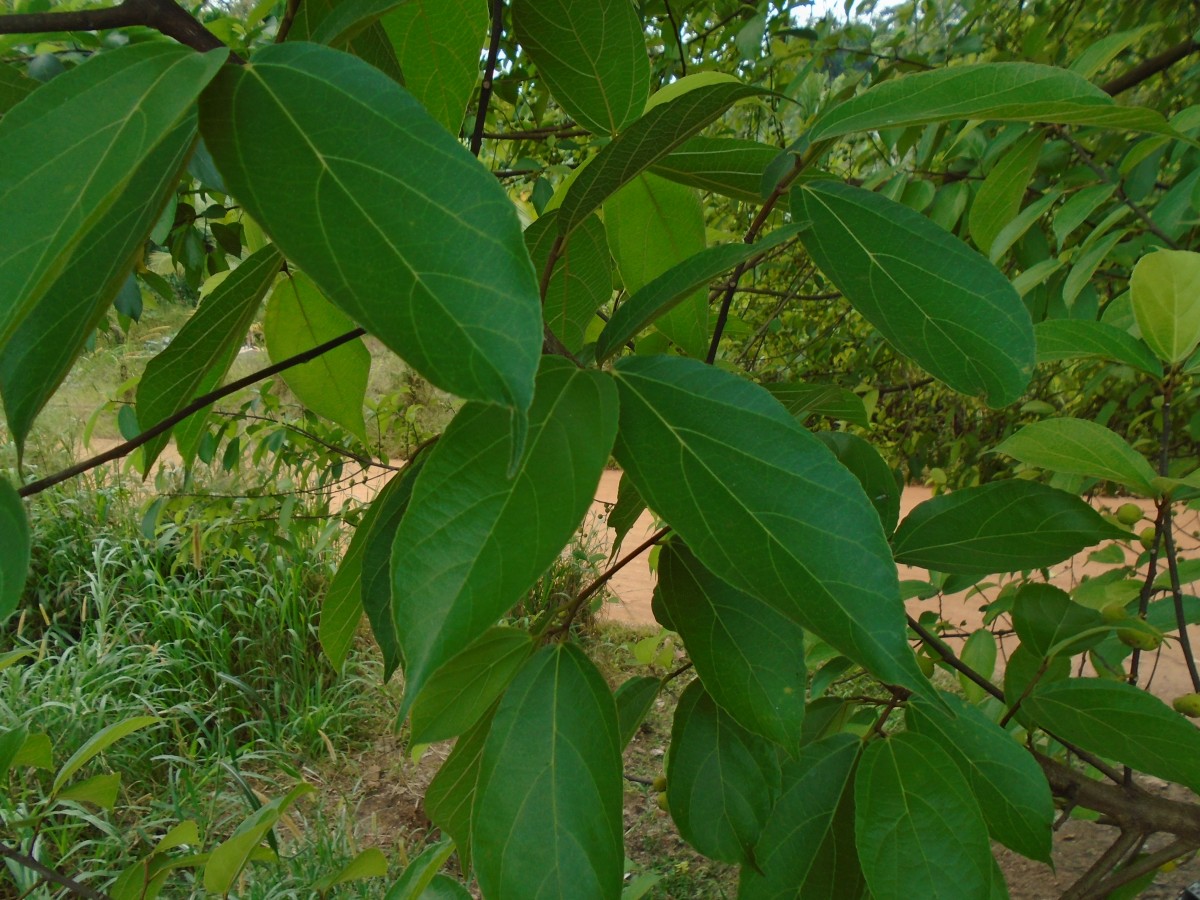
<point x="285" y="25"/>
<point x="1104" y="864"/>
<point x="489" y="76"/>
<point x="29" y="862"/>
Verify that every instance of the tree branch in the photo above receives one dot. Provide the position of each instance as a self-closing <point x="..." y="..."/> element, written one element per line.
<point x="1150" y="67"/>
<point x="489" y="76"/>
<point x="26" y="861"/>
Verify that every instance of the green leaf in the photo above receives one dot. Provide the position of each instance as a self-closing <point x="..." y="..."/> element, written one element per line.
<point x="46" y="343"/>
<point x="653" y="225"/>
<point x="201" y="354"/>
<point x="635" y="697"/>
<point x="1004" y="777"/>
<point x="450" y="798"/>
<point x="370" y="863"/>
<point x="664" y="292"/>
<point x="1080" y="447"/>
<point x="1050" y="623"/>
<point x="379" y="224"/>
<point x="15" y="548"/>
<point x="437" y="43"/>
<point x="624" y="514"/>
<point x="1000" y="194"/>
<point x="37" y="752"/>
<point x="349" y="19"/>
<point x="978" y="652"/>
<point x="876" y="478"/>
<point x="99" y="790"/>
<point x="730" y="167"/>
<point x="1165" y="290"/>
<point x="419" y="873"/>
<point x="227" y="859"/>
<point x="920" y="831"/>
<point x="1022" y="92"/>
<point x="14" y="87"/>
<point x="1101" y="52"/>
<point x="1121" y="722"/>
<point x="749" y="655"/>
<point x="334" y="384"/>
<point x="763" y="505"/>
<point x="663" y="128"/>
<point x="11" y="742"/>
<point x="97" y="744"/>
<point x="319" y="20"/>
<point x="1085" y="339"/>
<point x="806" y="400"/>
<point x="722" y="779"/>
<point x="929" y="294"/>
<point x="592" y="57"/>
<point x="443" y="887"/>
<point x="803" y="847"/>
<point x="1005" y="526"/>
<point x="548" y="811"/>
<point x="1019" y="225"/>
<point x="464" y="688"/>
<point x="102" y="118"/>
<point x="1074" y="212"/>
<point x="475" y="539"/>
<point x="582" y="280"/>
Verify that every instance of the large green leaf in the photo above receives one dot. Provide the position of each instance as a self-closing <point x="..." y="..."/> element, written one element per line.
<point x="1006" y="780"/>
<point x="450" y="798"/>
<point x="1000" y="195"/>
<point x="653" y="225"/>
<point x="1165" y="290"/>
<point x="1004" y="526"/>
<point x="97" y="744"/>
<point x="1080" y="447"/>
<point x="547" y="820"/>
<point x="348" y="19"/>
<point x="591" y="55"/>
<point x="70" y="150"/>
<point x="200" y="355"/>
<point x="635" y="697"/>
<point x="763" y="505"/>
<point x="15" y="548"/>
<point x="46" y="343"/>
<point x="920" y="831"/>
<point x="875" y="476"/>
<point x="334" y="385"/>
<point x="1086" y="339"/>
<point x="933" y="297"/>
<point x="803" y="849"/>
<point x="728" y="166"/>
<point x="664" y="292"/>
<point x="663" y="128"/>
<point x="1022" y="92"/>
<point x="462" y="690"/>
<point x="582" y="280"/>
<point x="1051" y="624"/>
<point x="813" y="399"/>
<point x="437" y="43"/>
<point x="406" y="232"/>
<point x="14" y="87"/>
<point x="474" y="538"/>
<point x="339" y="21"/>
<point x="722" y="780"/>
<point x="749" y="655"/>
<point x="1121" y="722"/>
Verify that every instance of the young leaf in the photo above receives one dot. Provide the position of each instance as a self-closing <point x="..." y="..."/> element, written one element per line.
<point x="1080" y="447"/>
<point x="663" y="128"/>
<point x="102" y="118"/>
<point x="437" y="43"/>
<point x="920" y="831"/>
<point x="624" y="514"/>
<point x="1000" y="195"/>
<point x="97" y="744"/>
<point x="465" y="687"/>
<point x="806" y="400"/>
<point x="802" y="845"/>
<point x="474" y="539"/>
<point x="876" y="478"/>
<point x="927" y="292"/>
<point x="727" y="166"/>
<point x="450" y="797"/>
<point x="1165" y="289"/>
<point x="200" y="355"/>
<point x="227" y="859"/>
<point x="722" y="780"/>
<point x="582" y="280"/>
<point x="369" y="863"/>
<point x="46" y="343"/>
<point x="334" y="384"/>
<point x="419" y="873"/>
<point x="548" y="805"/>
<point x="1022" y="92"/>
<point x="749" y="655"/>
<point x="664" y="292"/>
<point x="1004" y="526"/>
<point x="15" y="546"/>
<point x="1046" y="619"/>
<point x="396" y="229"/>
<point x="652" y="225"/>
<point x="1121" y="722"/>
<point x="100" y="790"/>
<point x="634" y="698"/>
<point x="1085" y="339"/>
<point x="1004" y="776"/>
<point x="592" y="57"/>
<point x="763" y="505"/>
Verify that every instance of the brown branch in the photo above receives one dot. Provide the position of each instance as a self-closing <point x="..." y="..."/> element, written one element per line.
<point x="1150" y="67"/>
<point x="29" y="862"/>
<point x="36" y="487"/>
<point x="489" y="76"/>
<point x="1145" y="865"/>
<point x="678" y="38"/>
<point x="289" y="16"/>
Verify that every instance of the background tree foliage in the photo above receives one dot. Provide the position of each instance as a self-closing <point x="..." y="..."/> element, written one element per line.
<point x="773" y="268"/>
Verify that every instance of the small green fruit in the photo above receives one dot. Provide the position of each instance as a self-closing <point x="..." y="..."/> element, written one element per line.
<point x="1189" y="705"/>
<point x="660" y="783"/>
<point x="661" y="800"/>
<point x="1138" y="639"/>
<point x="1129" y="514"/>
<point x="1147" y="536"/>
<point x="1113" y="613"/>
<point x="925" y="664"/>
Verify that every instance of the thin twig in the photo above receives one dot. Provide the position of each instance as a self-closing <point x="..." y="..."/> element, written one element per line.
<point x="489" y="76"/>
<point x="678" y="38"/>
<point x="1106" y="863"/>
<point x="1146" y="865"/>
<point x="285" y="25"/>
<point x="65" y="881"/>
